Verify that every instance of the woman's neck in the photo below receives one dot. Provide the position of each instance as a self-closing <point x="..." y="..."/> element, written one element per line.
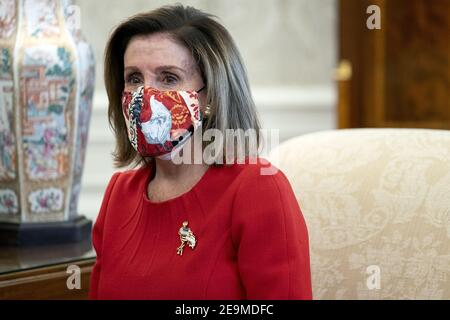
<point x="171" y="180"/>
<point x="170" y="171"/>
<point x="189" y="168"/>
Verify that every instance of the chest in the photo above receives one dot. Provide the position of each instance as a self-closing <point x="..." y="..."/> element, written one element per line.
<point x="162" y="190"/>
<point x="148" y="265"/>
<point x="140" y="257"/>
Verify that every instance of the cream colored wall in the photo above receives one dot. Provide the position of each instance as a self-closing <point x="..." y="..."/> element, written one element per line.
<point x="289" y="47"/>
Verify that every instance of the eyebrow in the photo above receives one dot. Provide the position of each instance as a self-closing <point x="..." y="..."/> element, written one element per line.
<point x="158" y="69"/>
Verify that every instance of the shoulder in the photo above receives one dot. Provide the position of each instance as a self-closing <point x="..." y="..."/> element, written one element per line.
<point x="132" y="175"/>
<point x="258" y="179"/>
<point x="261" y="175"/>
<point x="264" y="201"/>
<point x="127" y="179"/>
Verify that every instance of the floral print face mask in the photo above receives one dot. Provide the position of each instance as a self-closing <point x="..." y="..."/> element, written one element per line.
<point x="158" y="121"/>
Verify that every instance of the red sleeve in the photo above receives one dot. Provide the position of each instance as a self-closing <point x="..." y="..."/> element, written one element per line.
<point x="271" y="239"/>
<point x="97" y="238"/>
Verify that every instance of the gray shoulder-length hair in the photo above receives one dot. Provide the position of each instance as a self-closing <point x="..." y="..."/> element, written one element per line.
<point x="221" y="66"/>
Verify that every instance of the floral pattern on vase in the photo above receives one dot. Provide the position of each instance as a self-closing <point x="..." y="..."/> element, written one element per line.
<point x="7" y="137"/>
<point x="44" y="119"/>
<point x="8" y="202"/>
<point x="86" y="72"/>
<point x="46" y="84"/>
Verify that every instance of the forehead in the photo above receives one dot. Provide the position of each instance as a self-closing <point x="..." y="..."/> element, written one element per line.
<point x="151" y="51"/>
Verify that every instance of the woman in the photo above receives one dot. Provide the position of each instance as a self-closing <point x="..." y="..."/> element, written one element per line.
<point x="199" y="230"/>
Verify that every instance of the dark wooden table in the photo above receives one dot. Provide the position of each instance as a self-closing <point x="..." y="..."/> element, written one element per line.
<point x="40" y="272"/>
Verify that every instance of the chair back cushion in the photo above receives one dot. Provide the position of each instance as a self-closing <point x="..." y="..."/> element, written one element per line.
<point x="377" y="206"/>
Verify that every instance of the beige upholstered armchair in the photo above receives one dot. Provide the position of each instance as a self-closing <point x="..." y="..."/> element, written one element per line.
<point x="377" y="206"/>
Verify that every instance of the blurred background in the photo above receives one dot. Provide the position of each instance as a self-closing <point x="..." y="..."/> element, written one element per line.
<point x="290" y="50"/>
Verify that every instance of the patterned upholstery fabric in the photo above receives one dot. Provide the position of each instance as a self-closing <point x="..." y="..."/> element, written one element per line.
<point x="377" y="206"/>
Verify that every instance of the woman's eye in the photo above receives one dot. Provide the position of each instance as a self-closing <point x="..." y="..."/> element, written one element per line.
<point x="133" y="79"/>
<point x="170" y="79"/>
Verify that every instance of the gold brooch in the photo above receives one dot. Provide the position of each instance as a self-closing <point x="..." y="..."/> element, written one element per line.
<point x="186" y="236"/>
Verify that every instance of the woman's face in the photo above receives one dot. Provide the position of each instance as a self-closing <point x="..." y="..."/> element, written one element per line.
<point x="160" y="62"/>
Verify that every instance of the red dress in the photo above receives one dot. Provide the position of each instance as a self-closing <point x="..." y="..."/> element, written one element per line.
<point x="251" y="239"/>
